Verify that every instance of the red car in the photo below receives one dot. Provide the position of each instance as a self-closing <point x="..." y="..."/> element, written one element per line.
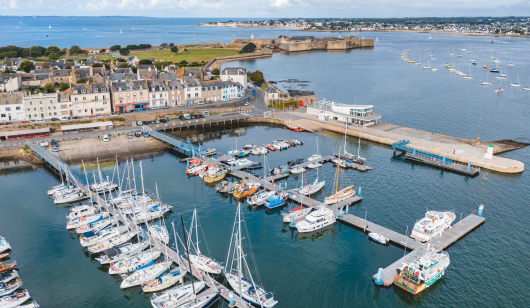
<point x="91" y="116"/>
<point x="26" y="122"/>
<point x="9" y="123"/>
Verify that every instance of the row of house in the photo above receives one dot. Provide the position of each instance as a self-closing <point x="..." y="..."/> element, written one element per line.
<point x="118" y="91"/>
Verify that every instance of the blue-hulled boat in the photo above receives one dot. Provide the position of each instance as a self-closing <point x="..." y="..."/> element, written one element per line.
<point x="276" y="200"/>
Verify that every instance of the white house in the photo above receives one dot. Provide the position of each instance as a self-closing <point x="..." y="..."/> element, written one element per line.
<point x="11" y="106"/>
<point x="235" y="74"/>
<point x="42" y="106"/>
<point x="362" y="115"/>
<point x="10" y="82"/>
<point x="231" y="90"/>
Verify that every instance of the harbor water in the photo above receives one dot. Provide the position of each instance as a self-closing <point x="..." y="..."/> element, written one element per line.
<point x="333" y="267"/>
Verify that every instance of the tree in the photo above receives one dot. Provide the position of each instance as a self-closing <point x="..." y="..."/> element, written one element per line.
<point x="82" y="80"/>
<point x="124" y="65"/>
<point x="115" y="47"/>
<point x="52" y="49"/>
<point x="102" y="50"/>
<point x="74" y="50"/>
<point x="54" y="56"/>
<point x="97" y="65"/>
<point x="9" y="71"/>
<point x="250" y="47"/>
<point x="163" y="44"/>
<point x="216" y="72"/>
<point x="124" y="51"/>
<point x="121" y="60"/>
<point x="183" y="63"/>
<point x="48" y="88"/>
<point x="174" y="49"/>
<point x="171" y="44"/>
<point x="63" y="86"/>
<point x="26" y="66"/>
<point x="257" y="77"/>
<point x="145" y="61"/>
<point x="45" y="65"/>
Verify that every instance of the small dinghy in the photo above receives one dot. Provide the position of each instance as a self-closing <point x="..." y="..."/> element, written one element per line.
<point x="145" y="274"/>
<point x="378" y="238"/>
<point x="259" y="198"/>
<point x="314" y="165"/>
<point x="10" y="287"/>
<point x="164" y="281"/>
<point x="14" y="300"/>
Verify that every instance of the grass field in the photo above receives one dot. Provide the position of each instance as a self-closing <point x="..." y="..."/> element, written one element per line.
<point x="191" y="55"/>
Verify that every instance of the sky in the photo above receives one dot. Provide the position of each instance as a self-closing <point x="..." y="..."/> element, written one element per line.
<point x="267" y="8"/>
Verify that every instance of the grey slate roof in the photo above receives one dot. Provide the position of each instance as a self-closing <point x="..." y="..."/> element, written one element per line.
<point x="234" y="71"/>
<point x="190" y="82"/>
<point x="123" y="70"/>
<point x="128" y="85"/>
<point x="122" y="77"/>
<point x="11" y="98"/>
<point x="294" y="93"/>
<point x="100" y="86"/>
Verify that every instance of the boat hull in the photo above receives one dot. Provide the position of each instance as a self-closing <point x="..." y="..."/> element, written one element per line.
<point x="412" y="287"/>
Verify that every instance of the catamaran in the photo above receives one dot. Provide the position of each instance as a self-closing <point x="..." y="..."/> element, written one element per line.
<point x="432" y="225"/>
<point x="237" y="271"/>
<point x="318" y="219"/>
<point x="419" y="275"/>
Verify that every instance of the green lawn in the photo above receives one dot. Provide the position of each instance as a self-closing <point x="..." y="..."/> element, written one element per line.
<point x="191" y="55"/>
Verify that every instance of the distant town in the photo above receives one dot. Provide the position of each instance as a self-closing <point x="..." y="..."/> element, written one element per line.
<point x="479" y="25"/>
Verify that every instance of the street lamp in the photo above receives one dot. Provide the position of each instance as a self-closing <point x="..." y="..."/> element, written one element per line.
<point x="478" y="137"/>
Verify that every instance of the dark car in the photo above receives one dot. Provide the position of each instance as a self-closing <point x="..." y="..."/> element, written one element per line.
<point x="193" y="116"/>
<point x="162" y="121"/>
<point x="53" y="142"/>
<point x="138" y="134"/>
<point x="146" y="122"/>
<point x="183" y="118"/>
<point x="201" y="116"/>
<point x="55" y="119"/>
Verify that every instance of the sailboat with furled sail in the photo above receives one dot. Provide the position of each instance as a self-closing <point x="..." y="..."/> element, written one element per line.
<point x="339" y="195"/>
<point x="298" y="212"/>
<point x="348" y="156"/>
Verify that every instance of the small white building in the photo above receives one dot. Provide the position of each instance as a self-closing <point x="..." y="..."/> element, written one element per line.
<point x="235" y="74"/>
<point x="42" y="106"/>
<point x="231" y="90"/>
<point x="11" y="106"/>
<point x="361" y="115"/>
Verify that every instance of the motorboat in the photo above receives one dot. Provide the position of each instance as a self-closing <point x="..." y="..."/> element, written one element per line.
<point x="134" y="264"/>
<point x="4" y="244"/>
<point x="295" y="162"/>
<point x="81" y="210"/>
<point x="9" y="287"/>
<point x="259" y="198"/>
<point x="4" y="267"/>
<point x="218" y="176"/>
<point x="159" y="232"/>
<point x="176" y="296"/>
<point x="145" y="274"/>
<point x="255" y="165"/>
<point x="85" y="220"/>
<point x="242" y="153"/>
<point x="297" y="170"/>
<point x="102" y="236"/>
<point x="421" y="274"/>
<point x="297" y="142"/>
<point x="163" y="281"/>
<point x="239" y="163"/>
<point x="116" y="254"/>
<point x="308" y="190"/>
<point x="341" y="163"/>
<point x="249" y="146"/>
<point x="222" y="187"/>
<point x="270" y="147"/>
<point x="14" y="300"/>
<point x="279" y="170"/>
<point x="8" y="276"/>
<point x="113" y="242"/>
<point x="314" y="165"/>
<point x="318" y="219"/>
<point x="378" y="238"/>
<point x="314" y="157"/>
<point x="209" y="152"/>
<point x="195" y="170"/>
<point x="432" y="225"/>
<point x="276" y="200"/>
<point x="3" y="255"/>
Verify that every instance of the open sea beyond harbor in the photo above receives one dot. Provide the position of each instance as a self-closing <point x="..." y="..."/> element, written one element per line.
<point x="334" y="266"/>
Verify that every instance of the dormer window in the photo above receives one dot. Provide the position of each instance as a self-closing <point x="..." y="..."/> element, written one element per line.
<point x="75" y="91"/>
<point x="95" y="89"/>
<point x="83" y="91"/>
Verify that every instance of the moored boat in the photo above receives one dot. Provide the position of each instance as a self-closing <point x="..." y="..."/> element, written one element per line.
<point x="318" y="219"/>
<point x="4" y="244"/>
<point x="9" y="287"/>
<point x="259" y="198"/>
<point x="145" y="274"/>
<point x="14" y="300"/>
<point x="378" y="238"/>
<point x="432" y="225"/>
<point x="6" y="267"/>
<point x="163" y="281"/>
<point x="276" y="200"/>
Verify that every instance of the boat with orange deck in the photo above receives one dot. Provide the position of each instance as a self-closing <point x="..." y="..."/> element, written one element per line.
<point x="245" y="188"/>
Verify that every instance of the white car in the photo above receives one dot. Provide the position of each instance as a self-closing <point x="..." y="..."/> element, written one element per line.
<point x="113" y="115"/>
<point x="201" y="103"/>
<point x="38" y="121"/>
<point x="139" y="123"/>
<point x="155" y="108"/>
<point x="106" y="138"/>
<point x="183" y="105"/>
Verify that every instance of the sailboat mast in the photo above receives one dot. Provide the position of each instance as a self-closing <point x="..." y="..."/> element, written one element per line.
<point x="196" y="231"/>
<point x="189" y="262"/>
<point x="239" y="250"/>
<point x="175" y="236"/>
<point x="337" y="179"/>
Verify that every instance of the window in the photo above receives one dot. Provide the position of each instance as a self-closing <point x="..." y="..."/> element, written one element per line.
<point x="29" y="109"/>
<point x="34" y="108"/>
<point x="96" y="98"/>
<point x="104" y="97"/>
<point x="2" y="115"/>
<point x="196" y="94"/>
<point x="75" y="99"/>
<point x="128" y="94"/>
<point x="54" y="107"/>
<point x="41" y="109"/>
<point x="134" y="93"/>
<point x="97" y="104"/>
<point x="30" y="102"/>
<point x="77" y="105"/>
<point x="8" y="108"/>
<point x="120" y="96"/>
<point x="85" y="104"/>
<point x="55" y="113"/>
<point x="49" y="114"/>
<point x="18" y="108"/>
<point x="84" y="98"/>
<point x="86" y="110"/>
<point x="40" y="102"/>
<point x="51" y="102"/>
<point x="104" y="103"/>
<point x="78" y="111"/>
<point x="95" y="89"/>
<point x="49" y="108"/>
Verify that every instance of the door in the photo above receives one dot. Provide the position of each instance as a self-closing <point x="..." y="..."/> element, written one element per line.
<point x="91" y="111"/>
<point x="121" y="109"/>
<point x="300" y="103"/>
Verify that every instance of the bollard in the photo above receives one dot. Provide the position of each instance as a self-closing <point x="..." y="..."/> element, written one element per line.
<point x="91" y="196"/>
<point x="285" y="185"/>
<point x="468" y="166"/>
<point x="347" y="209"/>
<point x="231" y="299"/>
<point x="379" y="279"/>
<point x="188" y="164"/>
<point x="292" y="221"/>
<point x="219" y="154"/>
<point x="480" y="208"/>
<point x="279" y="187"/>
<point x="413" y="152"/>
<point x="340" y="215"/>
<point x="443" y="161"/>
<point x="230" y="187"/>
<point x="359" y="194"/>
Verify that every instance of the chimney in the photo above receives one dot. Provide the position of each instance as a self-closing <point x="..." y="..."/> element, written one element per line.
<point x="149" y="69"/>
<point x="91" y="71"/>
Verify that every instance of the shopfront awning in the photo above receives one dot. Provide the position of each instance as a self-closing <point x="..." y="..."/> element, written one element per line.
<point x="141" y="104"/>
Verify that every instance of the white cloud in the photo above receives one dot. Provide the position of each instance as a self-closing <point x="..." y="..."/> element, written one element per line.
<point x="126" y="4"/>
<point x="13" y="4"/>
<point x="280" y="3"/>
<point x="94" y="5"/>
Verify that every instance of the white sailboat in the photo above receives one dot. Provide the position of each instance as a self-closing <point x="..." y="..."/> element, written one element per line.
<point x="527" y="88"/>
<point x="516" y="83"/>
<point x="486" y="83"/>
<point x="114" y="255"/>
<point x="237" y="271"/>
<point x="198" y="259"/>
<point x="145" y="274"/>
<point x="298" y="212"/>
<point x="497" y="60"/>
<point x="468" y="77"/>
<point x="316" y="156"/>
<point x="510" y="64"/>
<point x="428" y="66"/>
<point x="500" y="89"/>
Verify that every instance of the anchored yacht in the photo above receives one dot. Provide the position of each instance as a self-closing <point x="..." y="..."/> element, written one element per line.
<point x="432" y="225"/>
<point x="316" y="220"/>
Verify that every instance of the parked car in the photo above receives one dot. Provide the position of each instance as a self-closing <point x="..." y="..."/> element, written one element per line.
<point x="157" y="121"/>
<point x="165" y="107"/>
<point x="162" y="121"/>
<point x="145" y="133"/>
<point x="106" y="138"/>
<point x="99" y="116"/>
<point x="155" y="108"/>
<point x="146" y="122"/>
<point x="140" y="123"/>
<point x="183" y="118"/>
<point x="63" y="118"/>
<point x="113" y="115"/>
<point x="54" y="143"/>
<point x="187" y="116"/>
<point x="55" y="119"/>
<point x="38" y="121"/>
<point x="183" y="105"/>
<point x="153" y="122"/>
<point x="201" y="116"/>
<point x="247" y="103"/>
<point x="55" y="149"/>
<point x="130" y="135"/>
<point x="91" y="116"/>
<point x="138" y="134"/>
<point x="201" y="103"/>
<point x="26" y="122"/>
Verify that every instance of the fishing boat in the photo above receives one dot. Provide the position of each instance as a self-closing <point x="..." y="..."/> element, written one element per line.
<point x="4" y="267"/>
<point x="432" y="225"/>
<point x="163" y="281"/>
<point x="516" y="83"/>
<point x="113" y="255"/>
<point x="209" y="152"/>
<point x="421" y="274"/>
<point x="81" y="210"/>
<point x="259" y="198"/>
<point x="14" y="300"/>
<point x="318" y="219"/>
<point x="218" y="176"/>
<point x="137" y="263"/>
<point x="145" y="274"/>
<point x="297" y="170"/>
<point x="237" y="271"/>
<point x="196" y="257"/>
<point x="378" y="238"/>
<point x="8" y="276"/>
<point x="4" y="245"/>
<point x="9" y="287"/>
<point x="159" y="232"/>
<point x="245" y="188"/>
<point x="176" y="296"/>
<point x="276" y="200"/>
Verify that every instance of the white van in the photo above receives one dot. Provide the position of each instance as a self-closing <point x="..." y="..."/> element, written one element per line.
<point x="106" y="138"/>
<point x="187" y="116"/>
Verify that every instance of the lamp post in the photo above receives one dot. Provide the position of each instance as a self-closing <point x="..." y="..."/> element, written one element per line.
<point x="478" y="136"/>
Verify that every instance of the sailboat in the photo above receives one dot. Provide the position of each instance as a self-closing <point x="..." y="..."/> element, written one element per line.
<point x="299" y="212"/>
<point x="49" y="26"/>
<point x="516" y="83"/>
<point x="199" y="260"/>
<point x="121" y="32"/>
<point x="377" y="39"/>
<point x="527" y="88"/>
<point x="468" y="77"/>
<point x="341" y="195"/>
<point x="237" y="271"/>
<point x="492" y="57"/>
<point x="486" y="83"/>
<point x="497" y="60"/>
<point x="316" y="156"/>
<point x="510" y="64"/>
<point x="499" y="90"/>
<point x="428" y="66"/>
<point x="419" y="61"/>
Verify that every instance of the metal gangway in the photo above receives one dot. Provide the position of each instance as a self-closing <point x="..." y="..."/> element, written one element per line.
<point x="184" y="147"/>
<point x="402" y="145"/>
<point x="56" y="163"/>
